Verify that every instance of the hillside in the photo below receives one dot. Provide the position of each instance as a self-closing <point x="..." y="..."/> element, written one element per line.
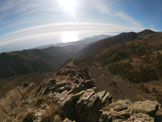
<point x="34" y="60"/>
<point x="134" y="56"/>
<point x="105" y="85"/>
<point x="128" y="68"/>
<point x="95" y="47"/>
<point x="70" y="95"/>
<point x="41" y="59"/>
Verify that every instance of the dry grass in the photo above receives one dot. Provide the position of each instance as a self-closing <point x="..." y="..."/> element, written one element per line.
<point x="53" y="114"/>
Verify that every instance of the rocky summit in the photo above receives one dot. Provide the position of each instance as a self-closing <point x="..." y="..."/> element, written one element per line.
<point x="70" y="95"/>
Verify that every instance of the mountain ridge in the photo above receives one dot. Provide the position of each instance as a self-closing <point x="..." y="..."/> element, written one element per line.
<point x="91" y="89"/>
<point x="83" y="42"/>
<point x="106" y="43"/>
<point x="45" y="59"/>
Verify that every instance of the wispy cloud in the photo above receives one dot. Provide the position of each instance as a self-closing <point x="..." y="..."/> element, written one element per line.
<point x="112" y="12"/>
<point x="22" y="20"/>
<point x="104" y="8"/>
<point x="129" y="19"/>
<point x="7" y="7"/>
<point x="26" y="7"/>
<point x="54" y="28"/>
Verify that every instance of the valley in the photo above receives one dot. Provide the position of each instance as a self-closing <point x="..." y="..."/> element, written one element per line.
<point x="105" y="84"/>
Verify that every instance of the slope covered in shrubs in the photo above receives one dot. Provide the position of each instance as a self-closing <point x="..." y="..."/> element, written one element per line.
<point x="137" y="60"/>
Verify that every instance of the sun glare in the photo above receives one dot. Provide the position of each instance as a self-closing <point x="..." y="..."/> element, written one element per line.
<point x="70" y="36"/>
<point x="68" y="5"/>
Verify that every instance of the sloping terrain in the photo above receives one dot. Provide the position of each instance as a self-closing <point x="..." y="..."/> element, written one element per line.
<point x="34" y="60"/>
<point x="41" y="59"/>
<point x="10" y="83"/>
<point x="100" y="45"/>
<point x="130" y="67"/>
<point x="70" y="94"/>
<point x="137" y="60"/>
<point x="97" y="88"/>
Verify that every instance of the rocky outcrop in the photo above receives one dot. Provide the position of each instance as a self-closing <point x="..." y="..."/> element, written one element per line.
<point x="147" y="107"/>
<point x="126" y="111"/>
<point x="70" y="95"/>
<point x="77" y="96"/>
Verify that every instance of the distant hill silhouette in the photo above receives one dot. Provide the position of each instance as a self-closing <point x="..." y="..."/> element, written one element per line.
<point x="136" y="57"/>
<point x="41" y="59"/>
<point x="35" y="60"/>
<point x="108" y="42"/>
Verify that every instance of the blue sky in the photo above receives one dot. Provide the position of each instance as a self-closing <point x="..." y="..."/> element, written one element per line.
<point x="31" y="23"/>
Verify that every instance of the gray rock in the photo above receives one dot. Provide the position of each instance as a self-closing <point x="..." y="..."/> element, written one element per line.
<point x="86" y="96"/>
<point x="79" y="100"/>
<point x="82" y="85"/>
<point x="140" y="117"/>
<point x="126" y="111"/>
<point x="147" y="107"/>
<point x="119" y="105"/>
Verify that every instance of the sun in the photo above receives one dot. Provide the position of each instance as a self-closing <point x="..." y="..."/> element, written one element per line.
<point x="69" y="36"/>
<point x="68" y="5"/>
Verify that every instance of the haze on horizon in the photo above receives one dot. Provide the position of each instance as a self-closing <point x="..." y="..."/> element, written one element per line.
<point x="27" y="23"/>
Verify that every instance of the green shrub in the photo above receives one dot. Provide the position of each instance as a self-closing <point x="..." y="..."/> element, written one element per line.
<point x="120" y="68"/>
<point x="127" y="71"/>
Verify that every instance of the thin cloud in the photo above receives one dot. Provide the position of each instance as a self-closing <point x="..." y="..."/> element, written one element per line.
<point x="54" y="28"/>
<point x="129" y="19"/>
<point x="44" y="18"/>
<point x="105" y="9"/>
<point x="27" y="37"/>
<point x="69" y="25"/>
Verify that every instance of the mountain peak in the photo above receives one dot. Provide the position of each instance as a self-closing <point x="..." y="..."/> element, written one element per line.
<point x="146" y="31"/>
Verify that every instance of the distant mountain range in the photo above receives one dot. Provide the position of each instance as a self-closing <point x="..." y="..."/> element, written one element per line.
<point x="128" y="65"/>
<point x="101" y="50"/>
<point x="109" y="42"/>
<point x="80" y="44"/>
<point x="117" y="78"/>
<point x="136" y="57"/>
<point x="41" y="59"/>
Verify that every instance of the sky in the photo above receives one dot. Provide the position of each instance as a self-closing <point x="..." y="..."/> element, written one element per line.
<point x="30" y="23"/>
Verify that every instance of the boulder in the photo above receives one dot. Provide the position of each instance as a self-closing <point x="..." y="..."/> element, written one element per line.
<point x="140" y="117"/>
<point x="92" y="100"/>
<point x="126" y="111"/>
<point x="147" y="107"/>
<point x="78" y="98"/>
<point x="98" y="100"/>
<point x="84" y="105"/>
<point x="119" y="105"/>
<point x="82" y="85"/>
<point x="117" y="110"/>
